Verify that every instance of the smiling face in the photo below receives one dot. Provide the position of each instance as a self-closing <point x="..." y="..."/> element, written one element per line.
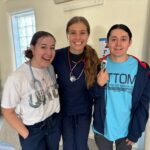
<point x="43" y="52"/>
<point x="78" y="36"/>
<point x="118" y="43"/>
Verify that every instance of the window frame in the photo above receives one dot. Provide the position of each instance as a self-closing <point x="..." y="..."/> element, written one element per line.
<point x="16" y="36"/>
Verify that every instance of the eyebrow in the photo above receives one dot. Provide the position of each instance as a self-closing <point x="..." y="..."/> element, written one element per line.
<point x="47" y="45"/>
<point x="125" y="36"/>
<point x="76" y="30"/>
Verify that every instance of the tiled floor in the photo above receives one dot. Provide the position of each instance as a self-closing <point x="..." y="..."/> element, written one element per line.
<point x="92" y="145"/>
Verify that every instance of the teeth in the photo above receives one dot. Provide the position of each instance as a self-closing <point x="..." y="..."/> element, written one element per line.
<point x="78" y="43"/>
<point x="47" y="59"/>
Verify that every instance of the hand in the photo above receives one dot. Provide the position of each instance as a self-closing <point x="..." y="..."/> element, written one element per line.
<point x="129" y="142"/>
<point x="25" y="133"/>
<point x="102" y="77"/>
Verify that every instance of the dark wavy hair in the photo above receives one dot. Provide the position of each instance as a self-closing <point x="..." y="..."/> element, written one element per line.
<point x="119" y="26"/>
<point x="34" y="40"/>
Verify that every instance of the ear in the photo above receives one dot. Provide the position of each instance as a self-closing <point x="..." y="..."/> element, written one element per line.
<point x="32" y="47"/>
<point x="130" y="42"/>
<point x="67" y="37"/>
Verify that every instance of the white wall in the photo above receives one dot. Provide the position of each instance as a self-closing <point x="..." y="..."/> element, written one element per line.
<point x="146" y="46"/>
<point x="5" y="57"/>
<point x="53" y="18"/>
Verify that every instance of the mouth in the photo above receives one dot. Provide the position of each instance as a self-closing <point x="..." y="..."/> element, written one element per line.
<point x="118" y="49"/>
<point x="78" y="43"/>
<point x="46" y="59"/>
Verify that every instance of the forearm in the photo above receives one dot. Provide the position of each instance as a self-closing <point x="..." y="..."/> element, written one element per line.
<point x="15" y="122"/>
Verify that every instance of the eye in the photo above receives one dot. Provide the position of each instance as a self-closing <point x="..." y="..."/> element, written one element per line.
<point x="72" y="32"/>
<point x="52" y="48"/>
<point x="83" y="32"/>
<point x="124" y="39"/>
<point x="113" y="39"/>
<point x="43" y="47"/>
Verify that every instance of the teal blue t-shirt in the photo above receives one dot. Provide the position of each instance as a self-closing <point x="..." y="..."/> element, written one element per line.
<point x="119" y="97"/>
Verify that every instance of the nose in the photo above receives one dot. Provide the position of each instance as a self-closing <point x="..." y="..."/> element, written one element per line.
<point x="118" y="43"/>
<point x="51" y="52"/>
<point x="77" y="36"/>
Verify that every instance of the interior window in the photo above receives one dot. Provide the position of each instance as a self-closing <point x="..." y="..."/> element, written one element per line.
<point x="23" y="27"/>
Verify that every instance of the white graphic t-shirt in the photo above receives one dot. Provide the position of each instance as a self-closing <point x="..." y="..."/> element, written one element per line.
<point x="34" y="100"/>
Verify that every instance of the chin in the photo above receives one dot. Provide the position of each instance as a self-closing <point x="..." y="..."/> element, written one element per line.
<point x="78" y="51"/>
<point x="45" y="65"/>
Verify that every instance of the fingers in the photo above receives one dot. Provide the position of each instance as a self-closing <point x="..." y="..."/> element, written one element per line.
<point x="103" y="74"/>
<point x="129" y="142"/>
<point x="103" y="71"/>
<point x="102" y="77"/>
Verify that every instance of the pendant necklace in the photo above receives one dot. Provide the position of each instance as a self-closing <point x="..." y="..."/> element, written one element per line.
<point x="72" y="77"/>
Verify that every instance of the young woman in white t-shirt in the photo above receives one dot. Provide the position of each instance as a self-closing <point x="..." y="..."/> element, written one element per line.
<point x="30" y="100"/>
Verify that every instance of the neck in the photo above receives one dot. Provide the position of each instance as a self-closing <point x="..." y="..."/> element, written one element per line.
<point x="119" y="59"/>
<point x="75" y="57"/>
<point x="76" y="52"/>
<point x="34" y="64"/>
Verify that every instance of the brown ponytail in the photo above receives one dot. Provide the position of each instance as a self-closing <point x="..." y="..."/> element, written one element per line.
<point x="91" y="62"/>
